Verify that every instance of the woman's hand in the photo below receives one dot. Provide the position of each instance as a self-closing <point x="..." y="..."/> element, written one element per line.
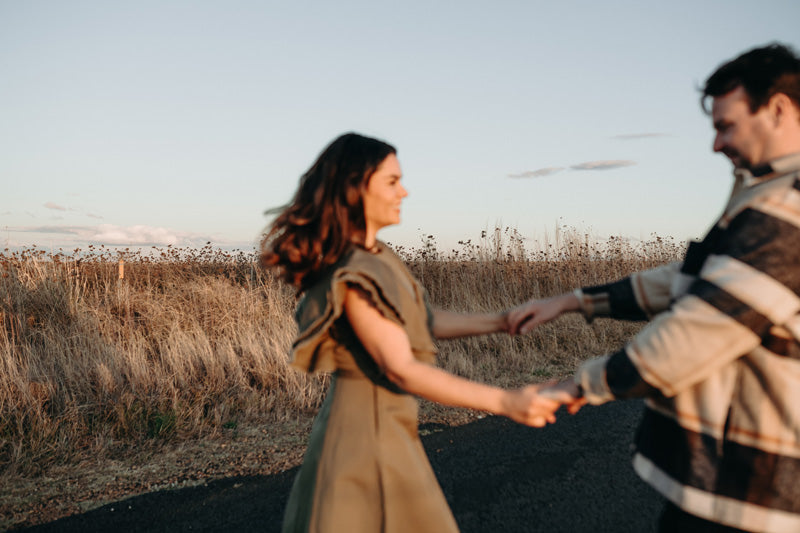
<point x="567" y="393"/>
<point x="523" y="318"/>
<point x="507" y="326"/>
<point x="527" y="406"/>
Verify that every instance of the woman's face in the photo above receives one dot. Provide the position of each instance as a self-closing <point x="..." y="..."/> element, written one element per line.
<point x="383" y="195"/>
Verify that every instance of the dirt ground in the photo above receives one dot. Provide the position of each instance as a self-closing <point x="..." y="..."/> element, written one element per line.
<point x="574" y="476"/>
<point x="242" y="452"/>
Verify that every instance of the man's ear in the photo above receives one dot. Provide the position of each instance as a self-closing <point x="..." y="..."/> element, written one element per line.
<point x="782" y="108"/>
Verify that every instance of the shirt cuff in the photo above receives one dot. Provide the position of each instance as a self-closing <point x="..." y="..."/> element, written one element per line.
<point x="593" y="304"/>
<point x="585" y="304"/>
<point x="591" y="377"/>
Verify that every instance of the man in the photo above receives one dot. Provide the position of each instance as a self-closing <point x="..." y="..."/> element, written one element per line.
<point x="719" y="361"/>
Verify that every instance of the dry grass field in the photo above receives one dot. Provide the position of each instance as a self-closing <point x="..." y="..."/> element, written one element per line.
<point x="177" y="371"/>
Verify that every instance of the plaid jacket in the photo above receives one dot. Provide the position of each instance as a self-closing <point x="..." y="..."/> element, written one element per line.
<point x="719" y="361"/>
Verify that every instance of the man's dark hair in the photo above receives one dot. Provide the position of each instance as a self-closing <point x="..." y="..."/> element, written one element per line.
<point x="761" y="72"/>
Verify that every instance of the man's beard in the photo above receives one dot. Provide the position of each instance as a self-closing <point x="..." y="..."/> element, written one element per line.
<point x="737" y="160"/>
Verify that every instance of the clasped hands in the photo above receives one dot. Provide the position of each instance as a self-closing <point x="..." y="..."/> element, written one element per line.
<point x="545" y="399"/>
<point x="536" y="405"/>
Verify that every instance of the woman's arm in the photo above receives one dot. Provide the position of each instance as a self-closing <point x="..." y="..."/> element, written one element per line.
<point x="388" y="344"/>
<point x="447" y="325"/>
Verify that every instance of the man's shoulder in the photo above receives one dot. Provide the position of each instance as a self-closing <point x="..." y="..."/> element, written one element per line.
<point x="778" y="196"/>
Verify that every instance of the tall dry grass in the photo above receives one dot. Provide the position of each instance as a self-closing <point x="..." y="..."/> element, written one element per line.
<point x="193" y="341"/>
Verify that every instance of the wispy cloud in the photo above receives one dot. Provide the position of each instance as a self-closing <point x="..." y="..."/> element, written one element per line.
<point x="538" y="173"/>
<point x="112" y="235"/>
<point x="58" y="230"/>
<point x="602" y="165"/>
<point x="587" y="165"/>
<point x="58" y="207"/>
<point x="633" y="136"/>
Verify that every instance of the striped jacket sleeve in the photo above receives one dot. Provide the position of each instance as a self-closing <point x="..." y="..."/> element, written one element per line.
<point x="638" y="297"/>
<point x="745" y="294"/>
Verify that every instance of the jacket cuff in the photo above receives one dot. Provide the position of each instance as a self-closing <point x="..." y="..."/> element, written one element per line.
<point x="586" y="305"/>
<point x="591" y="378"/>
<point x="593" y="305"/>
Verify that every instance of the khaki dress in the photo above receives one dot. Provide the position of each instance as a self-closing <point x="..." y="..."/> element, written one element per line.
<point x="365" y="469"/>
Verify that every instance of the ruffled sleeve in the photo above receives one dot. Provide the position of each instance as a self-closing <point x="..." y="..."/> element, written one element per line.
<point x="384" y="279"/>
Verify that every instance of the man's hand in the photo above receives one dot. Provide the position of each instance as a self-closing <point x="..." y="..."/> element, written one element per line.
<point x="566" y="393"/>
<point x="523" y="318"/>
<point x="527" y="406"/>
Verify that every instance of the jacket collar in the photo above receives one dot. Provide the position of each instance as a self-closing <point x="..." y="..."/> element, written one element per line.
<point x="776" y="167"/>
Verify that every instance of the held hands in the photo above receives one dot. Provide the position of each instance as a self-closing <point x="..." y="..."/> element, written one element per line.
<point x="536" y="405"/>
<point x="527" y="406"/>
<point x="523" y="318"/>
<point x="567" y="393"/>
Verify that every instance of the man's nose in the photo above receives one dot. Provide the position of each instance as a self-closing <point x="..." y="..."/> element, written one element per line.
<point x="718" y="144"/>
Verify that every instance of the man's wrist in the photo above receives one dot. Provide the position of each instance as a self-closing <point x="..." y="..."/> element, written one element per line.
<point x="591" y="377"/>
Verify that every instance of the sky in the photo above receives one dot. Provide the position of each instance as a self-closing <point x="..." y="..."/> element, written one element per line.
<point x="162" y="122"/>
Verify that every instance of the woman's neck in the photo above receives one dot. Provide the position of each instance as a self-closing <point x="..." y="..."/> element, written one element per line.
<point x="370" y="239"/>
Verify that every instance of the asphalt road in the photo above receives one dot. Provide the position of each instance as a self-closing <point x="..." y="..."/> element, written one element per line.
<point x="572" y="477"/>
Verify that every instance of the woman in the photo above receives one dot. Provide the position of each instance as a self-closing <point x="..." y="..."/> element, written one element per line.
<point x="364" y="317"/>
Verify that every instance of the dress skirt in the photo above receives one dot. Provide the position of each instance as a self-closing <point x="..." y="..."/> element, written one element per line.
<point x="365" y="469"/>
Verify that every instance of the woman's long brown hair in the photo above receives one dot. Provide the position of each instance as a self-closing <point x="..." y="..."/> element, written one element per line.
<point x="326" y="216"/>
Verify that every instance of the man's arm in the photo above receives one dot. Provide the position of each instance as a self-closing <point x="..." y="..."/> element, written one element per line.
<point x="637" y="297"/>
<point x="748" y="287"/>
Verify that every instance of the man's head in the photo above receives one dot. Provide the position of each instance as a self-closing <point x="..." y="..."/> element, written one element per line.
<point x="755" y="105"/>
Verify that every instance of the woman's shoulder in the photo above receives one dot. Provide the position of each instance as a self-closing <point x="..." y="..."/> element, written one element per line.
<point x="377" y="255"/>
<point x="381" y="277"/>
<point x="380" y="264"/>
<point x="379" y="269"/>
